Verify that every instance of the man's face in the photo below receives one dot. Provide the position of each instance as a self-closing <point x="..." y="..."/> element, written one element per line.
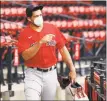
<point x="36" y="14"/>
<point x="36" y="18"/>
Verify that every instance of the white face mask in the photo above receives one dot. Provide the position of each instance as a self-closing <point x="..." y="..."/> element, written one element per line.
<point x="38" y="21"/>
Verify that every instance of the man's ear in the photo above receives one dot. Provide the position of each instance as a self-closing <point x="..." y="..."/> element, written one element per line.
<point x="28" y="18"/>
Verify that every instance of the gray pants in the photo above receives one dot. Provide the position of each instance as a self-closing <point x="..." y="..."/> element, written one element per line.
<point x="40" y="85"/>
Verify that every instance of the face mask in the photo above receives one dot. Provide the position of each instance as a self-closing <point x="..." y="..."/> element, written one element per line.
<point x="38" y="21"/>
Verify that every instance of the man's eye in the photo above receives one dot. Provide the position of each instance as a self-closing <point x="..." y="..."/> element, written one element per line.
<point x="37" y="16"/>
<point x="40" y="14"/>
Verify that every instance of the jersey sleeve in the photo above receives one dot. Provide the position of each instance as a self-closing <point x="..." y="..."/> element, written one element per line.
<point x="22" y="43"/>
<point x="61" y="40"/>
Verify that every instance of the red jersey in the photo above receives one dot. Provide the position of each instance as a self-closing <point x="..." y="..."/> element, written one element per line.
<point x="46" y="56"/>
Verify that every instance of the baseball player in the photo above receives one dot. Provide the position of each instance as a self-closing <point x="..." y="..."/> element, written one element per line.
<point x="37" y="44"/>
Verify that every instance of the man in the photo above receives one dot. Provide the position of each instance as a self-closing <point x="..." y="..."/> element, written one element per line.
<point x="37" y="44"/>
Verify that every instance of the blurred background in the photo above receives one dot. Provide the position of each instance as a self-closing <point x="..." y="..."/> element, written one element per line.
<point x="83" y="23"/>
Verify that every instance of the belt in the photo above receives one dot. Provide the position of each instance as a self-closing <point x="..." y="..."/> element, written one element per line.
<point x="44" y="70"/>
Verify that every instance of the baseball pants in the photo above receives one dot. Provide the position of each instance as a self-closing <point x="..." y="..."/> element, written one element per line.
<point x="39" y="85"/>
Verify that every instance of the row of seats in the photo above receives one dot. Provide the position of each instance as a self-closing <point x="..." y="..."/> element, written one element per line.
<point x="20" y="11"/>
<point x="61" y="24"/>
<point x="15" y="25"/>
<point x="46" y="2"/>
<point x="90" y="34"/>
<point x="94" y="34"/>
<point x="78" y="23"/>
<point x="75" y="9"/>
<point x="15" y="11"/>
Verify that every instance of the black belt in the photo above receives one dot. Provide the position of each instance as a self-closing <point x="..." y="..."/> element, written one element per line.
<point x="44" y="70"/>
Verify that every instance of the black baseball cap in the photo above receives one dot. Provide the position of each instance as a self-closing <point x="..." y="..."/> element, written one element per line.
<point x="30" y="8"/>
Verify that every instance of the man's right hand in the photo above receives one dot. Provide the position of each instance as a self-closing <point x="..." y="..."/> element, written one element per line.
<point x="47" y="38"/>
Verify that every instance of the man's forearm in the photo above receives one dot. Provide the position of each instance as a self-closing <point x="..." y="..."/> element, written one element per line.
<point x="67" y="58"/>
<point x="30" y="52"/>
